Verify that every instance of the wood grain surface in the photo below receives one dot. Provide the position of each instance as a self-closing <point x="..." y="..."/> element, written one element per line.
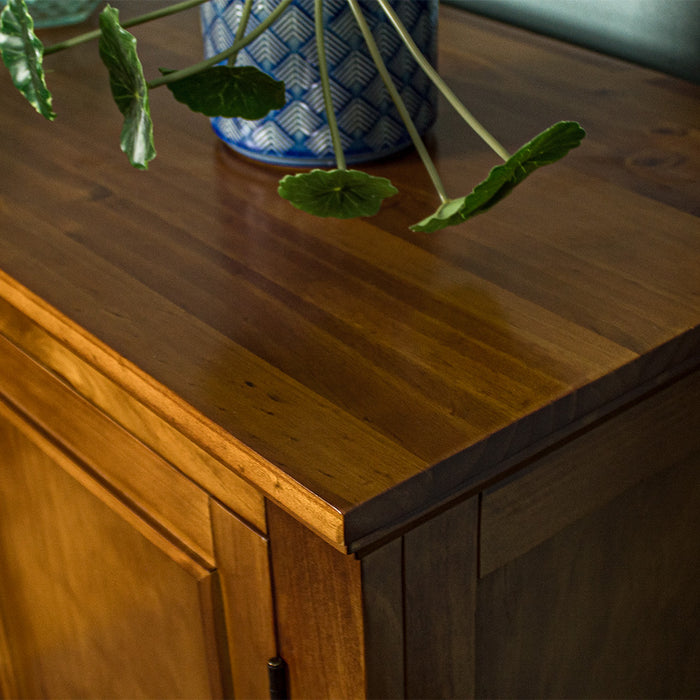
<point x="319" y="612"/>
<point x="440" y="573"/>
<point x="243" y="563"/>
<point x="150" y="484"/>
<point x="356" y="373"/>
<point x="589" y="471"/>
<point x="124" y="408"/>
<point x="608" y="607"/>
<point x="94" y="615"/>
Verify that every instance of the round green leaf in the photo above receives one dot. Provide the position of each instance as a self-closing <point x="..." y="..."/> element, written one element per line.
<point x="230" y="91"/>
<point x="23" y="54"/>
<point x="341" y="194"/>
<point x="129" y="88"/>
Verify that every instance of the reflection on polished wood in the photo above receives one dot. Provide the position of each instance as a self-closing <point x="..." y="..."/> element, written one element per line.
<point x="424" y="419"/>
<point x="342" y="364"/>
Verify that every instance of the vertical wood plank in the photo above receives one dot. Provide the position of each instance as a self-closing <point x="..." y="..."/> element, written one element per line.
<point x="244" y="569"/>
<point x="440" y="571"/>
<point x="319" y="611"/>
<point x="382" y="592"/>
<point x="8" y="683"/>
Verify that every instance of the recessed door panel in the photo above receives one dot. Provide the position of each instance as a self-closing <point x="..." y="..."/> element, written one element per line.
<point x="94" y="601"/>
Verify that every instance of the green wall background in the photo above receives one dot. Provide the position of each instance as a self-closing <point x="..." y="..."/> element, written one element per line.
<point x="662" y="34"/>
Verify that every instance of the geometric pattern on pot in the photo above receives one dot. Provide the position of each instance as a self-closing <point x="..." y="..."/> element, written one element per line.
<point x="297" y="134"/>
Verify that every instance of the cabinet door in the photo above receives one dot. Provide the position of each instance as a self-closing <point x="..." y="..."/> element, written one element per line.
<point x="94" y="601"/>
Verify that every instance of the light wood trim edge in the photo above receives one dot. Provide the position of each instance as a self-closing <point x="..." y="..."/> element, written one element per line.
<point x="323" y="518"/>
<point x="182" y="454"/>
<point x="110" y="454"/>
<point x="243" y="564"/>
<point x="187" y="560"/>
<point x="214" y="636"/>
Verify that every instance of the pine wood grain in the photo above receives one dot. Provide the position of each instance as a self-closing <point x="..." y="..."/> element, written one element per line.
<point x="243" y="563"/>
<point x="318" y="604"/>
<point x="8" y="682"/>
<point x="151" y="429"/>
<point x="148" y="482"/>
<point x="356" y="373"/>
<point x="353" y="386"/>
<point x="95" y="603"/>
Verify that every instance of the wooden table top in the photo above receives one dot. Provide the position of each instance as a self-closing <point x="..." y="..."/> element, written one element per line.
<point x="360" y="374"/>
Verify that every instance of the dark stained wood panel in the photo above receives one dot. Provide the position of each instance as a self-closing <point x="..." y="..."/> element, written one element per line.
<point x="355" y="372"/>
<point x="588" y="471"/>
<point x="440" y="576"/>
<point x="384" y="621"/>
<point x="608" y="607"/>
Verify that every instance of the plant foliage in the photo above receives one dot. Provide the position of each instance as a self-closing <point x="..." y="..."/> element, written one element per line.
<point x="230" y="91"/>
<point x="549" y="146"/>
<point x="23" y="53"/>
<point x="341" y="194"/>
<point x="129" y="88"/>
<point x="218" y="89"/>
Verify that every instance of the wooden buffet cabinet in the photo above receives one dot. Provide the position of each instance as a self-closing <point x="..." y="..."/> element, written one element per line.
<point x="444" y="466"/>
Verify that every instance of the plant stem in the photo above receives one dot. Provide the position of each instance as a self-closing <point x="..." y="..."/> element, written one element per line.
<point x="326" y="86"/>
<point x="141" y="19"/>
<point x="223" y="55"/>
<point x="398" y="102"/>
<point x="240" y="30"/>
<point x="440" y="83"/>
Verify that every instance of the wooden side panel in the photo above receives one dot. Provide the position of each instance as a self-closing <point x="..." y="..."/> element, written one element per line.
<point x="608" y="607"/>
<point x="589" y="471"/>
<point x="382" y="591"/>
<point x="95" y="603"/>
<point x="319" y="611"/>
<point x="243" y="564"/>
<point x="440" y="589"/>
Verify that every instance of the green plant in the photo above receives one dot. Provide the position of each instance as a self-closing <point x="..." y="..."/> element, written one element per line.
<point x="217" y="87"/>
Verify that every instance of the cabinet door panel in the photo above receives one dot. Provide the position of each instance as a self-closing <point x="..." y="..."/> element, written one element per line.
<point x="94" y="601"/>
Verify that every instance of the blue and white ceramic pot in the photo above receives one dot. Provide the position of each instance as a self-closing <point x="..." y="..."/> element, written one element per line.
<point x="297" y="135"/>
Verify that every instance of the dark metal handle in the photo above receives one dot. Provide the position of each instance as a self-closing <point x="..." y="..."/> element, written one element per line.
<point x="277" y="674"/>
